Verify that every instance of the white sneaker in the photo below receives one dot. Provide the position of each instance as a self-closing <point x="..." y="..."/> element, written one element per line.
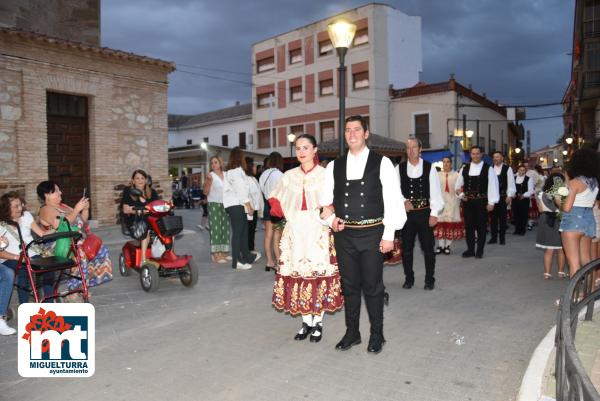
<point x="243" y="266"/>
<point x="258" y="256"/>
<point x="200" y="226"/>
<point x="5" y="329"/>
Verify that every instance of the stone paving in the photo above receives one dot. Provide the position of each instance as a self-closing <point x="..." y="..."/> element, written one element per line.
<point x="469" y="339"/>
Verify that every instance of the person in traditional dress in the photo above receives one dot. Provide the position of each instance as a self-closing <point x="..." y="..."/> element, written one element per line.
<point x="450" y="226"/>
<point x="423" y="201"/>
<point x="307" y="281"/>
<point x="477" y="186"/>
<point x="520" y="205"/>
<point x="506" y="186"/>
<point x="220" y="230"/>
<point x="364" y="189"/>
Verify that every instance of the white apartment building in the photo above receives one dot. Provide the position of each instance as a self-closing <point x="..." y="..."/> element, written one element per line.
<point x="435" y="112"/>
<point x="227" y="127"/>
<point x="298" y="70"/>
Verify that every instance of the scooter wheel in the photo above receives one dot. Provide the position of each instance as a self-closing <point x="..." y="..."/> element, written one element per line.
<point x="149" y="278"/>
<point x="124" y="270"/>
<point x="189" y="274"/>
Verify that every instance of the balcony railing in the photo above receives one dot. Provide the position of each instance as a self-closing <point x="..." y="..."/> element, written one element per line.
<point x="592" y="79"/>
<point x="572" y="381"/>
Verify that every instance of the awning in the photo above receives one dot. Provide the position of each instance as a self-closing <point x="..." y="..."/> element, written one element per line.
<point x="433" y="156"/>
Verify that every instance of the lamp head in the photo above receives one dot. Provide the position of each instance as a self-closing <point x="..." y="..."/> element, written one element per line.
<point x="517" y="150"/>
<point x="341" y="33"/>
<point x="469" y="133"/>
<point x="569" y="140"/>
<point x="291" y="138"/>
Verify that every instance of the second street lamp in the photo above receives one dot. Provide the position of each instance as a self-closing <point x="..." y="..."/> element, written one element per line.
<point x="341" y="34"/>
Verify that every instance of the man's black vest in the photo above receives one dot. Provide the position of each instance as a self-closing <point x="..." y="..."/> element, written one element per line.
<point x="415" y="189"/>
<point x="360" y="199"/>
<point x="503" y="180"/>
<point x="522" y="187"/>
<point x="476" y="185"/>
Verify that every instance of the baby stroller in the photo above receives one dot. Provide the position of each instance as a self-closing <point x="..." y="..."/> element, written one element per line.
<point x="52" y="264"/>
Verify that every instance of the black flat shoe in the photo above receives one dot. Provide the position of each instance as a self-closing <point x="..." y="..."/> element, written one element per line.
<point x="347" y="342"/>
<point x="376" y="344"/>
<point x="468" y="254"/>
<point x="269" y="268"/>
<point x="407" y="285"/>
<point x="317" y="329"/>
<point x="502" y="241"/>
<point x="492" y="241"/>
<point x="429" y="286"/>
<point x="438" y="250"/>
<point x="447" y="250"/>
<point x="304" y="332"/>
<point x="479" y="256"/>
<point x="386" y="298"/>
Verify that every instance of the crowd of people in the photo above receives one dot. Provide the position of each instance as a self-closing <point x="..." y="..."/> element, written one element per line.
<point x="328" y="228"/>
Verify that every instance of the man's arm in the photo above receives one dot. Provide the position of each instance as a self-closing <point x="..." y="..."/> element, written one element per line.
<point x="493" y="190"/>
<point x="394" y="214"/>
<point x="511" y="188"/>
<point x="436" y="201"/>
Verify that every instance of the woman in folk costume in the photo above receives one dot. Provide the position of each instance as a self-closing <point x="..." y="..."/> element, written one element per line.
<point x="307" y="281"/>
<point x="450" y="226"/>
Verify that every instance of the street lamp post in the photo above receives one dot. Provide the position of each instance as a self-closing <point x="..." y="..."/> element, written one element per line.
<point x="469" y="133"/>
<point x="204" y="147"/>
<point x="291" y="138"/>
<point x="341" y="34"/>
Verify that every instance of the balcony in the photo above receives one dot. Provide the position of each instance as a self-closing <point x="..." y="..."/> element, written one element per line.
<point x="423" y="137"/>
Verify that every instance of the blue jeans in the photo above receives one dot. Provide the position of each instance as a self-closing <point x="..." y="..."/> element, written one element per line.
<point x="23" y="281"/>
<point x="7" y="278"/>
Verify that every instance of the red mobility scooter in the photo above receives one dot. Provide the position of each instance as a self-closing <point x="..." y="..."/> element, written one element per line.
<point x="163" y="226"/>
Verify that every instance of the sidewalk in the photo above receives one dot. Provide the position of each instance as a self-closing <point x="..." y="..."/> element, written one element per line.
<point x="468" y="340"/>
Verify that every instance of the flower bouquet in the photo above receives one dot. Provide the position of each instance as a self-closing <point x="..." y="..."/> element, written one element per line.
<point x="556" y="195"/>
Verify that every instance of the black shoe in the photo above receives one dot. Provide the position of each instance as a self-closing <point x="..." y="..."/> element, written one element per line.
<point x="318" y="328"/>
<point x="447" y="250"/>
<point x="375" y="343"/>
<point x="386" y="298"/>
<point x="468" y="254"/>
<point x="407" y="284"/>
<point x="429" y="286"/>
<point x="492" y="241"/>
<point x="304" y="332"/>
<point x="502" y="241"/>
<point x="479" y="255"/>
<point x="438" y="250"/>
<point x="269" y="268"/>
<point x="347" y="342"/>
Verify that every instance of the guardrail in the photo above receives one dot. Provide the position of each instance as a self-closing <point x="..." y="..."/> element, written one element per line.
<point x="572" y="381"/>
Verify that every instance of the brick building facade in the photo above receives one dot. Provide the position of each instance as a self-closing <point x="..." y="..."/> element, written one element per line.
<point x="82" y="115"/>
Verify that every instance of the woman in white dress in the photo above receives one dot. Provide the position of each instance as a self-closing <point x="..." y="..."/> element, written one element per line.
<point x="307" y="281"/>
<point x="450" y="226"/>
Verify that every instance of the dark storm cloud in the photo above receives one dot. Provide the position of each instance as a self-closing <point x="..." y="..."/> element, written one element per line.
<point x="514" y="50"/>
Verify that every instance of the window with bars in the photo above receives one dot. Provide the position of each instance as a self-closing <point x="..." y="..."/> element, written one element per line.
<point x="325" y="48"/>
<point x="360" y="80"/>
<point x="263" y="138"/>
<point x="326" y="87"/>
<point x="295" y="56"/>
<point x="242" y="140"/>
<point x="361" y="37"/>
<point x="296" y="93"/>
<point x="265" y="64"/>
<point x="591" y="18"/>
<point x="327" y="129"/>
<point x="492" y="146"/>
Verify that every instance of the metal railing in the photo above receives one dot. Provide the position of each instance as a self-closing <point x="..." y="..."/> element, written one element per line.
<point x="572" y="381"/>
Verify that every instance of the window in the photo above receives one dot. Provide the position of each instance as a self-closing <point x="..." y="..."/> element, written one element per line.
<point x="263" y="100"/>
<point x="505" y="148"/>
<point x="325" y="48"/>
<point x="188" y="142"/>
<point x="492" y="146"/>
<point x="360" y="80"/>
<point x="591" y="18"/>
<point x="242" y="140"/>
<point x="205" y="139"/>
<point x="296" y="93"/>
<point x="266" y="64"/>
<point x="327" y="129"/>
<point x="297" y="130"/>
<point x="295" y="56"/>
<point x="263" y="138"/>
<point x="422" y="128"/>
<point x="225" y="140"/>
<point x="361" y="37"/>
<point x="326" y="87"/>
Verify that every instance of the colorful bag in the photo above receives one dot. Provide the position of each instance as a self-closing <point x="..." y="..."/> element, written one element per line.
<point x="63" y="245"/>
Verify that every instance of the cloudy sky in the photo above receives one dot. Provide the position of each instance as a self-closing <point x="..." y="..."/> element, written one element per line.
<point x="516" y="51"/>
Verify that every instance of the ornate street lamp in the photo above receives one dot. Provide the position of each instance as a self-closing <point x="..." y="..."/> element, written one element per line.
<point x="565" y="152"/>
<point x="517" y="150"/>
<point x="341" y="33"/>
<point x="569" y="140"/>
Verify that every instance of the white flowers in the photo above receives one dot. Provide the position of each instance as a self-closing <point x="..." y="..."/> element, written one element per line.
<point x="562" y="191"/>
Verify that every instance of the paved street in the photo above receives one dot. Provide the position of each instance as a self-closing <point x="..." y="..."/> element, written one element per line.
<point x="469" y="339"/>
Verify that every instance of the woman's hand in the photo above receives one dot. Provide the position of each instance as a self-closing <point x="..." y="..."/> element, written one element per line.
<point x="326" y="211"/>
<point x="128" y="209"/>
<point x="83" y="204"/>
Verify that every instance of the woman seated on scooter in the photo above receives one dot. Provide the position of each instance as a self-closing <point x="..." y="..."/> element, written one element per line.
<point x="130" y="202"/>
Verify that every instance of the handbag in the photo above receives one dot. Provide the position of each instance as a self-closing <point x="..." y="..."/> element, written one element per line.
<point x="62" y="246"/>
<point x="91" y="245"/>
<point x="139" y="227"/>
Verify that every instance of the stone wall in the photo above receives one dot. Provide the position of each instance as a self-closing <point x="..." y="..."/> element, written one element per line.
<point x="127" y="122"/>
<point x="76" y="20"/>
